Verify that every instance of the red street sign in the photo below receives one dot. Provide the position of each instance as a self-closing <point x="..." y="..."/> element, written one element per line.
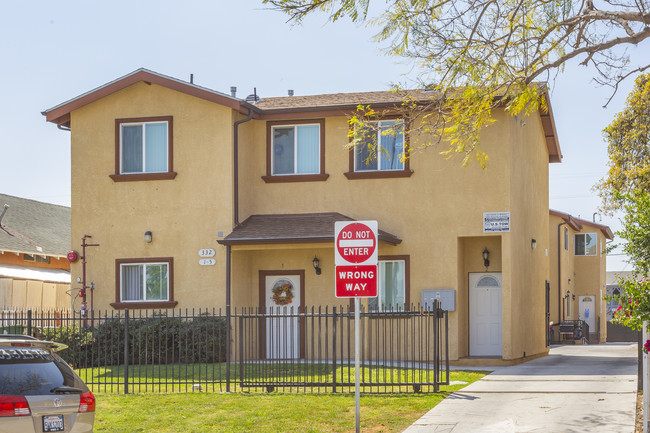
<point x="356" y="281"/>
<point x="355" y="243"/>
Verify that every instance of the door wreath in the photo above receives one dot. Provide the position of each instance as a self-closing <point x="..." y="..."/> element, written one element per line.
<point x="282" y="292"/>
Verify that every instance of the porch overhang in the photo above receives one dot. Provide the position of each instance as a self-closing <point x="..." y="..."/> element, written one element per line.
<point x="292" y="229"/>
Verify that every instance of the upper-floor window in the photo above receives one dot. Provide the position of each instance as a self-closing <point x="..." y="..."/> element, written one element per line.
<point x="143" y="149"/>
<point x="381" y="147"/>
<point x="586" y="244"/>
<point x="295" y="151"/>
<point x="566" y="239"/>
<point x="381" y="151"/>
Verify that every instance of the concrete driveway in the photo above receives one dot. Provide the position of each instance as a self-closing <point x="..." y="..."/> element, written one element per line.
<point x="581" y="388"/>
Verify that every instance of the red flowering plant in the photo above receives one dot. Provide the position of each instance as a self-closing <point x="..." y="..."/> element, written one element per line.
<point x="633" y="304"/>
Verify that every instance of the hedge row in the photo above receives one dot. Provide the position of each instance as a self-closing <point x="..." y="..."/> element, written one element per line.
<point x="153" y="340"/>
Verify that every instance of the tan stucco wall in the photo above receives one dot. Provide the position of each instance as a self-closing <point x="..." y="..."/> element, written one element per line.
<point x="528" y="267"/>
<point x="438" y="211"/>
<point x="184" y="214"/>
<point x="587" y="275"/>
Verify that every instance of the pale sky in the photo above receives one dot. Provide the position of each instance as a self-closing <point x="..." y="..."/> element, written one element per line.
<point x="54" y="51"/>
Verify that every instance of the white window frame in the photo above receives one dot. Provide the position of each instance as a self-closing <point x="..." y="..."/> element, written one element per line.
<point x="380" y="304"/>
<point x="295" y="148"/>
<point x="575" y="245"/>
<point x="377" y="126"/>
<point x="144" y="147"/>
<point x="144" y="281"/>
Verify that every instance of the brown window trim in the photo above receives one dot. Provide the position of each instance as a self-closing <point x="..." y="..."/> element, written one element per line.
<point x="407" y="284"/>
<point x="351" y="174"/>
<point x="143" y="176"/>
<point x="281" y="178"/>
<point x="119" y="305"/>
<point x="379" y="174"/>
<point x="131" y="177"/>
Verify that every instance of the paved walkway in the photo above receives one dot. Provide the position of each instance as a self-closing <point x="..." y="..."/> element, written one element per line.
<point x="581" y="388"/>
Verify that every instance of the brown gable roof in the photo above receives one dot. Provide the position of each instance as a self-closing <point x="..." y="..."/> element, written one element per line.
<point x="335" y="104"/>
<point x="60" y="114"/>
<point x="344" y="101"/>
<point x="577" y="223"/>
<point x="291" y="229"/>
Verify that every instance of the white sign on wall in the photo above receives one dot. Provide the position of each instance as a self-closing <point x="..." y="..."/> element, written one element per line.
<point x="207" y="262"/>
<point x="207" y="252"/>
<point x="494" y="222"/>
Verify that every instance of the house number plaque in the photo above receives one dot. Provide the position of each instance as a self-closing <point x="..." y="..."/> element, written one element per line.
<point x="207" y="252"/>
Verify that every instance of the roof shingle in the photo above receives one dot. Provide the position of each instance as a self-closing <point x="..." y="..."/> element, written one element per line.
<point x="34" y="227"/>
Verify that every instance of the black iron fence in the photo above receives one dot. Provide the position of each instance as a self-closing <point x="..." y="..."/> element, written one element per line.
<point x="251" y="349"/>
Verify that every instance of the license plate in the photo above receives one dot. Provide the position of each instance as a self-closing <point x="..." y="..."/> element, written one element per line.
<point x="53" y="423"/>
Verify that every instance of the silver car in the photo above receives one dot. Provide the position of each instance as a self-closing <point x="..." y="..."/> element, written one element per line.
<point x="39" y="392"/>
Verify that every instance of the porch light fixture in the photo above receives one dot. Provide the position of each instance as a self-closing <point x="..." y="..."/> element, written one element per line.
<point x="486" y="258"/>
<point x="148" y="237"/>
<point x="316" y="264"/>
<point x="533" y="244"/>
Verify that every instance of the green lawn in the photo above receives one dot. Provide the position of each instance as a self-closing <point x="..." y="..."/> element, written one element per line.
<point x="256" y="412"/>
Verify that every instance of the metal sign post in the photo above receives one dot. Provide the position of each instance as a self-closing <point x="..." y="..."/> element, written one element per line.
<point x="355" y="257"/>
<point x="357" y="384"/>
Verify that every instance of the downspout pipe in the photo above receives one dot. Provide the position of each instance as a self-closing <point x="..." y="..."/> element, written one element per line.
<point x="228" y="249"/>
<point x="559" y="271"/>
<point x="236" y="164"/>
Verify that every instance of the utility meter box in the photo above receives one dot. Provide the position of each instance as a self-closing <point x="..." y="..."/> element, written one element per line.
<point x="447" y="298"/>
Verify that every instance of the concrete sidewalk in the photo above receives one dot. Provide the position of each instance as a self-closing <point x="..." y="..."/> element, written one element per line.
<point x="581" y="388"/>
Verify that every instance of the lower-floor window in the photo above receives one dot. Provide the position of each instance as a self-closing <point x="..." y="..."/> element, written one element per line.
<point x="144" y="281"/>
<point x="392" y="285"/>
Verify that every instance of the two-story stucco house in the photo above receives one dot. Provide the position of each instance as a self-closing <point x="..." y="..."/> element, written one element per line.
<point x="201" y="199"/>
<point x="579" y="272"/>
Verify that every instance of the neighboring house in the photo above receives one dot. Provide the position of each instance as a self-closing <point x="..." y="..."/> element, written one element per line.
<point x="180" y="224"/>
<point x="578" y="272"/>
<point x="616" y="332"/>
<point x="34" y="241"/>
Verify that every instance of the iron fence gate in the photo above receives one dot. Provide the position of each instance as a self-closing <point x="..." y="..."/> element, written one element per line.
<point x="254" y="349"/>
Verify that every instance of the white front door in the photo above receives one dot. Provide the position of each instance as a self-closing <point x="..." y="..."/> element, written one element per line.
<point x="485" y="315"/>
<point x="587" y="307"/>
<point x="282" y="298"/>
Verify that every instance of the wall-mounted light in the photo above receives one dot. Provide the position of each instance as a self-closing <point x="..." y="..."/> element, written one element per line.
<point x="148" y="237"/>
<point x="486" y="258"/>
<point x="533" y="243"/>
<point x="316" y="264"/>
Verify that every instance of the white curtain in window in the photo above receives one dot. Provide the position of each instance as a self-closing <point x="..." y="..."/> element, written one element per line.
<point x="132" y="149"/>
<point x="392" y="287"/>
<point x="132" y="282"/>
<point x="392" y="146"/>
<point x="156" y="147"/>
<point x="308" y="149"/>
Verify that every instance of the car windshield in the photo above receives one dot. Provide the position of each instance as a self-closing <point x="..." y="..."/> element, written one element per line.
<point x="34" y="371"/>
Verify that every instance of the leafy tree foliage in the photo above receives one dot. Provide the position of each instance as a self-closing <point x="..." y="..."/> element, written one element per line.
<point x="636" y="231"/>
<point x="484" y="54"/>
<point x="628" y="138"/>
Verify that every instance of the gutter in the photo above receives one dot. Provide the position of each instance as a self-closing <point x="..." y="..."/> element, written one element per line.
<point x="236" y="164"/>
<point x="236" y="223"/>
